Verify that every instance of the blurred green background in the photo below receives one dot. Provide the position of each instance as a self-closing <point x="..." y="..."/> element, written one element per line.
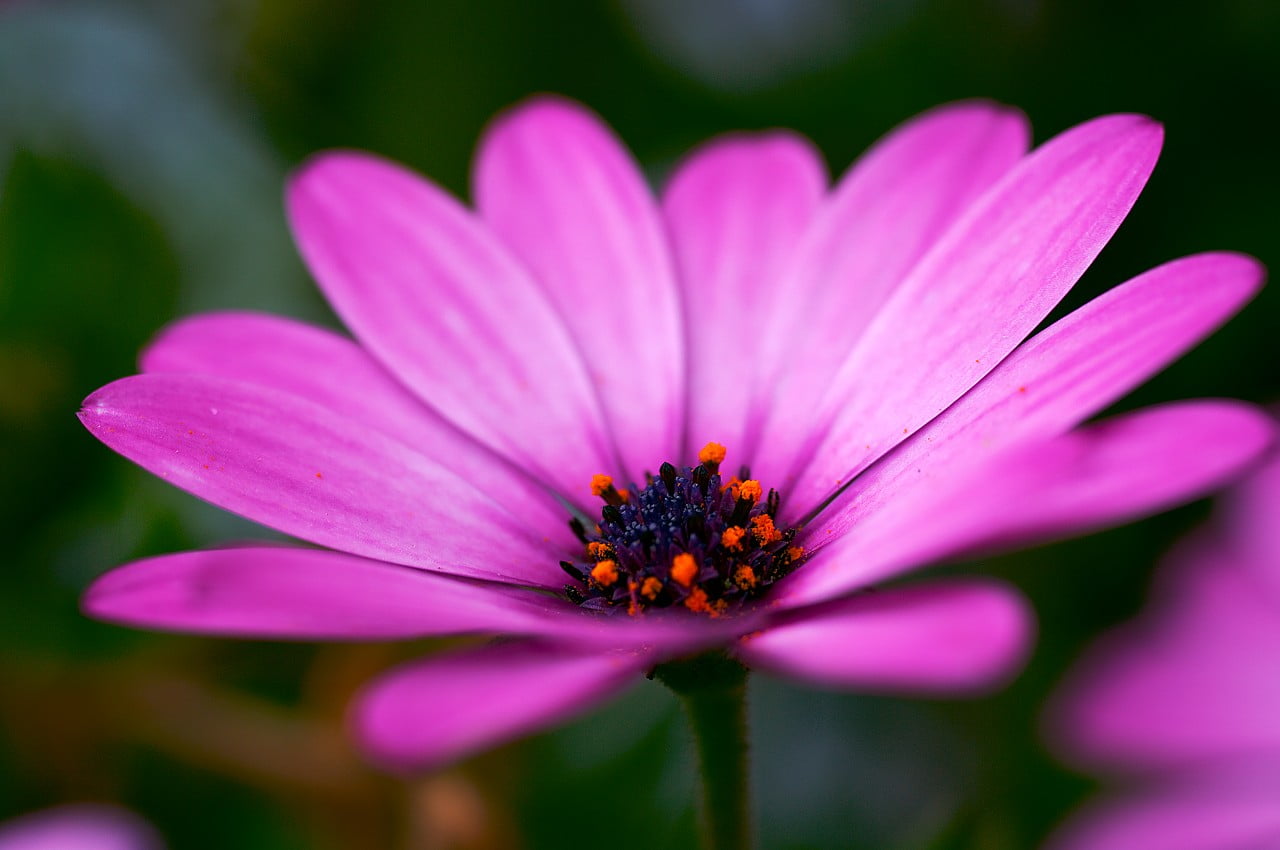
<point x="143" y="147"/>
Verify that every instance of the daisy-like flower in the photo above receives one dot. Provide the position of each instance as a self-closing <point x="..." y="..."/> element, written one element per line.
<point x="1182" y="706"/>
<point x="627" y="431"/>
<point x="79" y="827"/>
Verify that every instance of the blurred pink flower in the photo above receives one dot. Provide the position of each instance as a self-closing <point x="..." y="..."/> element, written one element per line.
<point x="1184" y="703"/>
<point x="857" y="347"/>
<point x="78" y="827"/>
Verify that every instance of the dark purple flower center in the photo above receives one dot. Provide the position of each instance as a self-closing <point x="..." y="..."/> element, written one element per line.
<point x="686" y="538"/>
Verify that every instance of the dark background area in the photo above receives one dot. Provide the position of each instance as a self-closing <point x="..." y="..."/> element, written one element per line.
<point x="143" y="147"/>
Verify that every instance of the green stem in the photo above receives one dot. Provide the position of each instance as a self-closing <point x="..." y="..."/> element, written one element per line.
<point x="713" y="688"/>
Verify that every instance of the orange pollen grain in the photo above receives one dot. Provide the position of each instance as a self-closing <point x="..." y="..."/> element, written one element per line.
<point x="745" y="577"/>
<point x="651" y="588"/>
<point x="712" y="453"/>
<point x="750" y="489"/>
<point x="599" y="551"/>
<point x="763" y="529"/>
<point x="625" y="495"/>
<point x="732" y="537"/>
<point x="795" y="552"/>
<point x="684" y="569"/>
<point x="604" y="573"/>
<point x="599" y="484"/>
<point x="732" y="486"/>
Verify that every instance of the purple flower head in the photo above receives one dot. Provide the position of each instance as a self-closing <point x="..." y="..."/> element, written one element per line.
<point x="79" y="827"/>
<point x="1184" y="703"/>
<point x="783" y="393"/>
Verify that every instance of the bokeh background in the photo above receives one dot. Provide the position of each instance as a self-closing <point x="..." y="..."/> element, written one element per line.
<point x="143" y="146"/>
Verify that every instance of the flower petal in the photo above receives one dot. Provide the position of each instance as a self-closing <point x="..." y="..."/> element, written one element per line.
<point x="332" y="371"/>
<point x="1063" y="375"/>
<point x="1111" y="472"/>
<point x="564" y="194"/>
<point x="83" y="826"/>
<point x="278" y="592"/>
<point x="736" y="209"/>
<point x="1182" y="684"/>
<point x="1205" y="811"/>
<point x="942" y="637"/>
<point x="311" y="472"/>
<point x="884" y="215"/>
<point x="274" y="592"/>
<point x="431" y="712"/>
<point x="434" y="296"/>
<point x="985" y="285"/>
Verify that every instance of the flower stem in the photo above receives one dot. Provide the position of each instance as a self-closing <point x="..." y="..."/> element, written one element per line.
<point x="713" y="689"/>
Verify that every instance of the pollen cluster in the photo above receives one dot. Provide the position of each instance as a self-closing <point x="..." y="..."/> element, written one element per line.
<point x="686" y="539"/>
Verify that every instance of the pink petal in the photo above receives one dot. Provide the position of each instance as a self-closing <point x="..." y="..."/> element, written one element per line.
<point x="564" y="194"/>
<point x="325" y="368"/>
<point x="885" y="214"/>
<point x="307" y="471"/>
<point x="82" y="826"/>
<point x="1182" y="684"/>
<point x="1108" y="473"/>
<point x="281" y="592"/>
<point x="1249" y="514"/>
<point x="985" y="285"/>
<point x="440" y="709"/>
<point x="736" y="209"/>
<point x="308" y="594"/>
<point x="434" y="296"/>
<point x="1204" y="811"/>
<point x="942" y="637"/>
<point x="1063" y="375"/>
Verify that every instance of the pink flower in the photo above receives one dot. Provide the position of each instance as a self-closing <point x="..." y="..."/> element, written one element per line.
<point x="858" y="348"/>
<point x="1185" y="702"/>
<point x="78" y="827"/>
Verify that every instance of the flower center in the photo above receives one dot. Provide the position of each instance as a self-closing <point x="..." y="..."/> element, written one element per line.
<point x="686" y="538"/>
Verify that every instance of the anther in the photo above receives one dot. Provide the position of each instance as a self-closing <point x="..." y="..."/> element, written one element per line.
<point x="684" y="569"/>
<point x="611" y="514"/>
<point x="604" y="573"/>
<point x="711" y="456"/>
<point x="574" y="573"/>
<point x="579" y="530"/>
<point x="667" y="473"/>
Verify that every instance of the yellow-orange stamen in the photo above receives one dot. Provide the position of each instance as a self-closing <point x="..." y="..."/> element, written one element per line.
<point x="651" y="588"/>
<point x="697" y="603"/>
<point x="732" y="537"/>
<point x="711" y="456"/>
<point x="599" y="551"/>
<point x="745" y="577"/>
<point x="763" y="529"/>
<point x="602" y="486"/>
<point x="795" y="553"/>
<point x="684" y="568"/>
<point x="750" y="489"/>
<point x="732" y="486"/>
<point x="604" y="573"/>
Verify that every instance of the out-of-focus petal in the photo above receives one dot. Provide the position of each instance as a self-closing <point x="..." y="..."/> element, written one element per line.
<point x="985" y="285"/>
<point x="942" y="637"/>
<point x="1111" y="472"/>
<point x="1183" y="683"/>
<point x="1062" y="375"/>
<point x="1249" y="518"/>
<point x="884" y="215"/>
<point x="736" y="209"/>
<point x="435" y="297"/>
<point x="561" y="190"/>
<point x="332" y="371"/>
<point x="1207" y="810"/>
<point x="308" y="471"/>
<point x="83" y="826"/>
<point x="439" y="709"/>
